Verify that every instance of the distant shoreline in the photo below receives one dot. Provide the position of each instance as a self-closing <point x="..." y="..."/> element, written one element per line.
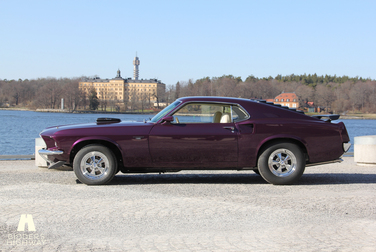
<point x="77" y="111"/>
<point x="349" y="117"/>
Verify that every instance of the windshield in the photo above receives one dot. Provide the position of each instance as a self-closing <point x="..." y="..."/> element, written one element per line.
<point x="165" y="111"/>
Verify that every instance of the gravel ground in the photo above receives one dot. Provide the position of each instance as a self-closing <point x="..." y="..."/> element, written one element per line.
<point x="332" y="208"/>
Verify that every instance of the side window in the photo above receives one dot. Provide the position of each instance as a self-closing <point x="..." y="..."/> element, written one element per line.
<point x="238" y="114"/>
<point x="209" y="113"/>
<point x="200" y="113"/>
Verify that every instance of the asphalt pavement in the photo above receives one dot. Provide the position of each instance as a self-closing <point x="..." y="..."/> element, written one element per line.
<point x="331" y="208"/>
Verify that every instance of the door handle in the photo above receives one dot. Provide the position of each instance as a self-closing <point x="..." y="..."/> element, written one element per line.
<point x="230" y="128"/>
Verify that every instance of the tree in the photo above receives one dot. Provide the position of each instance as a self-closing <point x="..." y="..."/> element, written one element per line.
<point x="177" y="90"/>
<point x="72" y="94"/>
<point x="324" y="96"/>
<point x="359" y="95"/>
<point x="93" y="99"/>
<point x="143" y="100"/>
<point x="305" y="93"/>
<point x="159" y="94"/>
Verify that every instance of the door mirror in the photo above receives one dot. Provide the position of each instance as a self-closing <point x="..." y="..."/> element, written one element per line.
<point x="168" y="119"/>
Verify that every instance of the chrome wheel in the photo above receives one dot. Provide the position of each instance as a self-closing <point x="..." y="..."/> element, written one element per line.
<point x="94" y="165"/>
<point x="282" y="162"/>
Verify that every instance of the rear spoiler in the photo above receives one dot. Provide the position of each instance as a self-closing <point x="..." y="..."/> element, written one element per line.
<point x="330" y="117"/>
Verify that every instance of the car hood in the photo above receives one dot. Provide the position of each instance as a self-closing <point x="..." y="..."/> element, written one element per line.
<point x="92" y="126"/>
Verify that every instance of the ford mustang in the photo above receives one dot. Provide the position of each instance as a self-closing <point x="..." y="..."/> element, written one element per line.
<point x="195" y="133"/>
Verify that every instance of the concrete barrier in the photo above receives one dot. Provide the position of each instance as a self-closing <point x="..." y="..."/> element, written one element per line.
<point x="365" y="150"/>
<point x="16" y="157"/>
<point x="39" y="144"/>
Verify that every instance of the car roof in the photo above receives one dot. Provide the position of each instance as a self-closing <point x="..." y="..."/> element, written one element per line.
<point x="262" y="109"/>
<point x="215" y="98"/>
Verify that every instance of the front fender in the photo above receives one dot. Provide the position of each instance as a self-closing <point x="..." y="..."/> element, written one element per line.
<point x="108" y="142"/>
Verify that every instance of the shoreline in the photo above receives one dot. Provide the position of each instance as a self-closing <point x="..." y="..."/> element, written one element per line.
<point x="348" y="117"/>
<point x="77" y="111"/>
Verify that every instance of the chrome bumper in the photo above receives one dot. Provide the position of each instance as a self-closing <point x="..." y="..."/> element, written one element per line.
<point x="44" y="153"/>
<point x="339" y="160"/>
<point x="346" y="146"/>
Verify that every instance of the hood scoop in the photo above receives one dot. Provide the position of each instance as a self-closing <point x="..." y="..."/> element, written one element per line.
<point x="108" y="120"/>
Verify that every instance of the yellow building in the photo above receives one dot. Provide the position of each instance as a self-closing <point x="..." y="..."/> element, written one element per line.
<point x="124" y="90"/>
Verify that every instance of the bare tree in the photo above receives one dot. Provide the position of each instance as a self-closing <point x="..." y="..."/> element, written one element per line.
<point x="324" y="96"/>
<point x="159" y="94"/>
<point x="358" y="95"/>
<point x="72" y="95"/>
<point x="305" y="93"/>
<point x="133" y="99"/>
<point x="143" y="101"/>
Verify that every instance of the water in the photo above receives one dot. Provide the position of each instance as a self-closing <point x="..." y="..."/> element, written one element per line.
<point x="18" y="129"/>
<point x="359" y="128"/>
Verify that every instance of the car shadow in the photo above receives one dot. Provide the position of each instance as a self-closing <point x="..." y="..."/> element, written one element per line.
<point x="187" y="179"/>
<point x="337" y="178"/>
<point x="243" y="178"/>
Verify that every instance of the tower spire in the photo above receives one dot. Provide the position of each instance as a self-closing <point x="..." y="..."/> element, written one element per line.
<point x="118" y="74"/>
<point x="136" y="63"/>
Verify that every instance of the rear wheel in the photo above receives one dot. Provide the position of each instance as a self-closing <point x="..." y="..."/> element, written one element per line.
<point x="95" y="165"/>
<point x="281" y="164"/>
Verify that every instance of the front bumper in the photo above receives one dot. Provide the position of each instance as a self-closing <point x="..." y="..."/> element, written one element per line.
<point x="346" y="147"/>
<point x="52" y="165"/>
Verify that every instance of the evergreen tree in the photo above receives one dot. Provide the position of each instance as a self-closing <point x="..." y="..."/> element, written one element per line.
<point x="93" y="100"/>
<point x="177" y="90"/>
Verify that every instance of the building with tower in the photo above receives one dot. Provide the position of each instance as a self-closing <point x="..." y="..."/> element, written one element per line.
<point x="124" y="90"/>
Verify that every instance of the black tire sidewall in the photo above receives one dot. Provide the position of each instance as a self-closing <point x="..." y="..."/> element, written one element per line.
<point x="273" y="179"/>
<point x="111" y="159"/>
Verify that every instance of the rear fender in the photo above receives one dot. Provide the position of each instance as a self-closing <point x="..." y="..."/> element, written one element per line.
<point x="282" y="139"/>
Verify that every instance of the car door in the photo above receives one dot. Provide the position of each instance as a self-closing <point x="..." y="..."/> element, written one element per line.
<point x="200" y="136"/>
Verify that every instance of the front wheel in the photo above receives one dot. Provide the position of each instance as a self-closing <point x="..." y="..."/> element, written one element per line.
<point x="95" y="165"/>
<point x="281" y="164"/>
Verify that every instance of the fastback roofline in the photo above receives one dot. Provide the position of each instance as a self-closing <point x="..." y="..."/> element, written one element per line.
<point x="277" y="105"/>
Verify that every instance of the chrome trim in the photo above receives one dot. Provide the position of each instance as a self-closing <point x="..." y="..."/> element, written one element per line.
<point x="346" y="146"/>
<point x="49" y="152"/>
<point x="51" y="165"/>
<point x="230" y="128"/>
<point x="231" y="113"/>
<point x="339" y="160"/>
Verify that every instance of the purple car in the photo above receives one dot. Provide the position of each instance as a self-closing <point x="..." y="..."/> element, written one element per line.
<point x="197" y="133"/>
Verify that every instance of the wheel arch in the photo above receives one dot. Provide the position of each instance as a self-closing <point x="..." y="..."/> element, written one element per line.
<point x="112" y="146"/>
<point x="275" y="141"/>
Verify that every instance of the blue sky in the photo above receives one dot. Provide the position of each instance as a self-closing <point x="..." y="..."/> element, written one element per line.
<point x="182" y="40"/>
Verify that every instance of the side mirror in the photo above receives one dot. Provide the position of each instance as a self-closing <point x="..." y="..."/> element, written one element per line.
<point x="168" y="119"/>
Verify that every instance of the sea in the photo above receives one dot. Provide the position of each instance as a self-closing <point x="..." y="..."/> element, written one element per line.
<point x="18" y="129"/>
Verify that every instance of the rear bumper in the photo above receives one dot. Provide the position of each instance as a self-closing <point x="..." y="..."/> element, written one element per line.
<point x="339" y="160"/>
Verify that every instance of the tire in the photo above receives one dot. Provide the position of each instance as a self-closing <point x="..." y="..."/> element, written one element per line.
<point x="281" y="164"/>
<point x="95" y="165"/>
